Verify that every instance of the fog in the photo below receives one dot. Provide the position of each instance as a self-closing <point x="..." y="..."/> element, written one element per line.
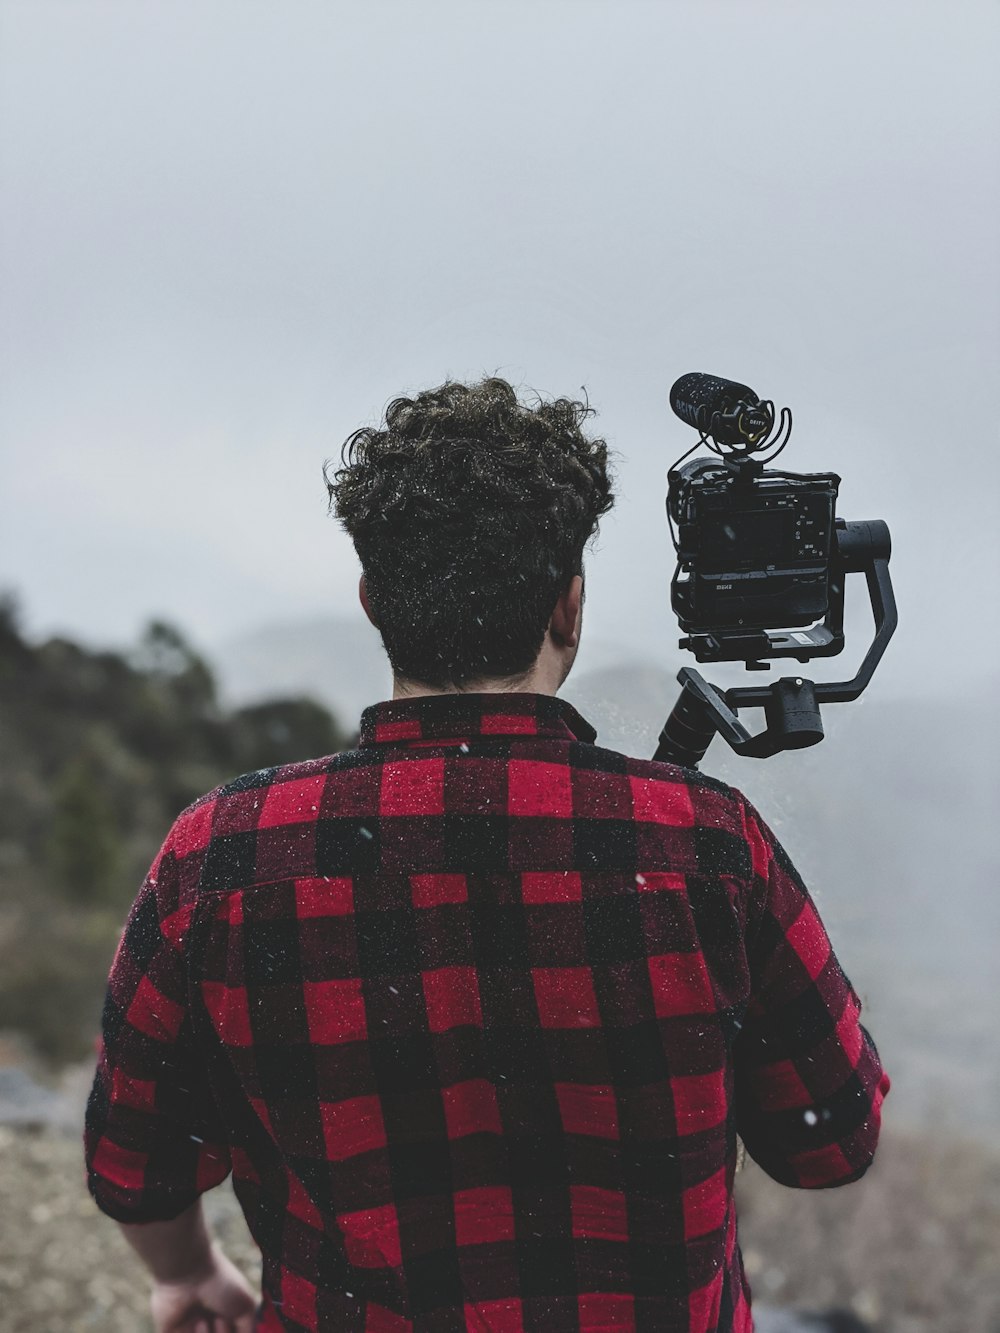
<point x="231" y="233"/>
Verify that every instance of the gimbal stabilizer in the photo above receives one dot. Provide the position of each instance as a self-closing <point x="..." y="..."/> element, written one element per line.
<point x="791" y="704"/>
<point x="758" y="547"/>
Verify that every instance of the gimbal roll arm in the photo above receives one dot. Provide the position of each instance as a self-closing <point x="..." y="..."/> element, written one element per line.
<point x="791" y="704"/>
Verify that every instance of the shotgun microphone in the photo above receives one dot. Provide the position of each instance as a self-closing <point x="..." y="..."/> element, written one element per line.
<point x="730" y="413"/>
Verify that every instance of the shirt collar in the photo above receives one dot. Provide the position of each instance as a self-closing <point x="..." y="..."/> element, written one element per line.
<point x="454" y="718"/>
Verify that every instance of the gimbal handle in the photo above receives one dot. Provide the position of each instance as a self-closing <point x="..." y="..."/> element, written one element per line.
<point x="791" y="704"/>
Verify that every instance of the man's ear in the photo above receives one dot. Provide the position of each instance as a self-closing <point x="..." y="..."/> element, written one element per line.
<point x="565" y="622"/>
<point x="363" y="597"/>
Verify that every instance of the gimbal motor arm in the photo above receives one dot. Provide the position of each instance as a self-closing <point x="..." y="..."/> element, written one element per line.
<point x="791" y="705"/>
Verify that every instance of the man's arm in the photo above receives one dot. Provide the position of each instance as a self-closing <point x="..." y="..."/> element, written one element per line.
<point x="153" y="1141"/>
<point x="173" y="1251"/>
<point x="809" y="1083"/>
<point x="192" y="1279"/>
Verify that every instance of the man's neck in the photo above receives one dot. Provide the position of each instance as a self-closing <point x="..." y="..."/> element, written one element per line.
<point x="545" y="677"/>
<point x="532" y="683"/>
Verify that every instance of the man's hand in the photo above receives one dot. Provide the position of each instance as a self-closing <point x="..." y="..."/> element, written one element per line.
<point x="217" y="1299"/>
<point x="196" y="1289"/>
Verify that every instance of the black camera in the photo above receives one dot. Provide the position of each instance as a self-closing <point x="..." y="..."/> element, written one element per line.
<point x="753" y="556"/>
<point x="762" y="560"/>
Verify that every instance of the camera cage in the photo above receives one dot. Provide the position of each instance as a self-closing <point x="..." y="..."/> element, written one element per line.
<point x="736" y="476"/>
<point x="792" y="703"/>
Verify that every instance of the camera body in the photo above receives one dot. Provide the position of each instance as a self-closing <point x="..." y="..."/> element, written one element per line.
<point x="755" y="553"/>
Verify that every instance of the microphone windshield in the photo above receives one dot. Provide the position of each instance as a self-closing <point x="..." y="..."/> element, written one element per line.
<point x="730" y="412"/>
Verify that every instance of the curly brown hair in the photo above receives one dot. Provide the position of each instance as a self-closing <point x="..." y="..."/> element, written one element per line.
<point x="470" y="512"/>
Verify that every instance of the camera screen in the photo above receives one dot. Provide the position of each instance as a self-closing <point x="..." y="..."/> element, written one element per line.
<point x="748" y="539"/>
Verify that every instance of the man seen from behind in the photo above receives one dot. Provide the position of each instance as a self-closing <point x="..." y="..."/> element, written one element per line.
<point x="473" y="1013"/>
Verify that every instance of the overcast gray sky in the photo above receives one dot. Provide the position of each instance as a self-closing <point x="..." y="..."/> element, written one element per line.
<point x="231" y="232"/>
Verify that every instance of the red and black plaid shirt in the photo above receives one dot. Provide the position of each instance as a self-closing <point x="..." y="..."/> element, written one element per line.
<point x="474" y="1014"/>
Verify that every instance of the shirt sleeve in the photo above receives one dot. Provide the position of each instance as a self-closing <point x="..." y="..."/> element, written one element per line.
<point x="809" y="1083"/>
<point x="153" y="1140"/>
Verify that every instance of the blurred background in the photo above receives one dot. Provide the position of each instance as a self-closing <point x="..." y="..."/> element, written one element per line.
<point x="232" y="231"/>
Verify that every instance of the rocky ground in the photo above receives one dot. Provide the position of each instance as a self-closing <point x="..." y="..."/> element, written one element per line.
<point x="914" y="1248"/>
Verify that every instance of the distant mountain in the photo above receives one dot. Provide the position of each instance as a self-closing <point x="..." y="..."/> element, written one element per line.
<point x="338" y="660"/>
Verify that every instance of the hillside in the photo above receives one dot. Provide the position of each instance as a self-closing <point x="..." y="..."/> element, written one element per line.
<point x="101" y="751"/>
<point x="912" y="1249"/>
